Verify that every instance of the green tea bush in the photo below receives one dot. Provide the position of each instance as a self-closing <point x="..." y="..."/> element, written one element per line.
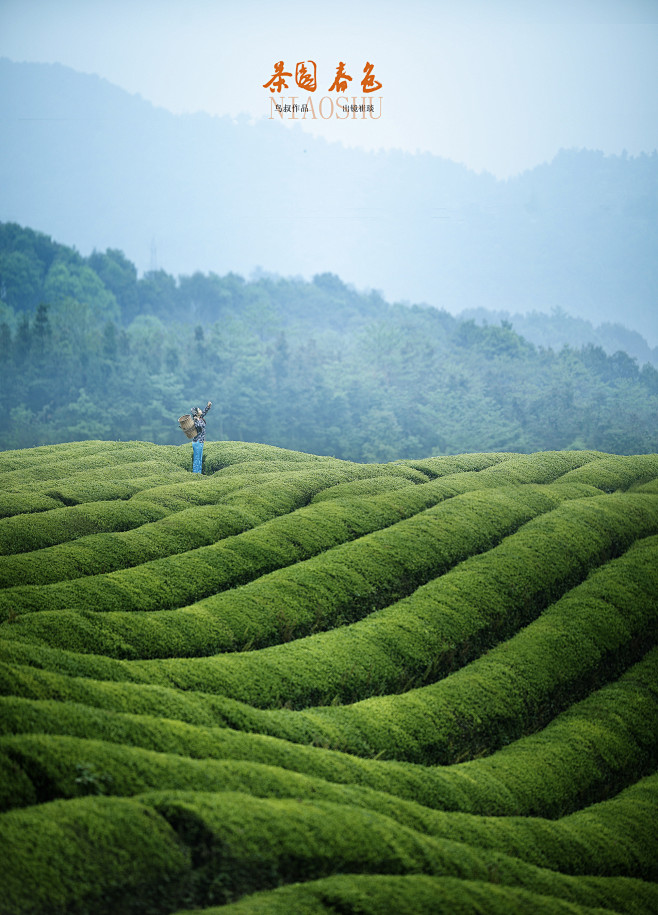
<point x="427" y="635"/>
<point x="586" y="753"/>
<point x="315" y="594"/>
<point x="597" y="745"/>
<point x="578" y="758"/>
<point x="367" y="487"/>
<point x="543" y="467"/>
<point x="14" y="503"/>
<point x="165" y="847"/>
<point x="254" y="843"/>
<point x="614" y="472"/>
<point x="269" y="495"/>
<point x="178" y="532"/>
<point x="49" y="766"/>
<point x="47" y="461"/>
<point x="650" y="487"/>
<point x="84" y="488"/>
<point x="419" y="686"/>
<point x="16" y="787"/>
<point x="218" y="455"/>
<point x="269" y="499"/>
<point x="377" y="894"/>
<point x="42" y="767"/>
<point x="24" y="533"/>
<point x="76" y="481"/>
<point x="505" y="693"/>
<point x="122" y="465"/>
<point x="592" y="749"/>
<point x="30" y="457"/>
<point x="444" y="466"/>
<point x="93" y="854"/>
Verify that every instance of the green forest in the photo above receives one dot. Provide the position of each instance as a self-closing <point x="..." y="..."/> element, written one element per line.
<point x="91" y="350"/>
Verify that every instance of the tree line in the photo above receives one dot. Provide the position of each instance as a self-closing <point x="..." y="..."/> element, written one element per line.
<point x="89" y="350"/>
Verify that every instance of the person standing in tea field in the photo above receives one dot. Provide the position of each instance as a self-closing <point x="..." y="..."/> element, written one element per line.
<point x="199" y="420"/>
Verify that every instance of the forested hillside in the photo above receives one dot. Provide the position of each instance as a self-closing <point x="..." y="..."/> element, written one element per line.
<point x="294" y="684"/>
<point x="88" y="349"/>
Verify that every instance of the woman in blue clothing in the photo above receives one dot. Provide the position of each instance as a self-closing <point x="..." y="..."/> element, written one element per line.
<point x="199" y="419"/>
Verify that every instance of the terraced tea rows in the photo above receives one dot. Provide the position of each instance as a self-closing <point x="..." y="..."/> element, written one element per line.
<point x="296" y="684"/>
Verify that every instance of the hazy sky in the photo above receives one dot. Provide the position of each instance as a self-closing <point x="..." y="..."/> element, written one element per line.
<point x="499" y="86"/>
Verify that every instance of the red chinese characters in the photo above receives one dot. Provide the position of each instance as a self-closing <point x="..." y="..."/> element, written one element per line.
<point x="340" y="80"/>
<point x="369" y="83"/>
<point x="306" y="77"/>
<point x="277" y="81"/>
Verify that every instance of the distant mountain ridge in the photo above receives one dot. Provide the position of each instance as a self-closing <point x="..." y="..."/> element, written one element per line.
<point x="559" y="329"/>
<point x="99" y="168"/>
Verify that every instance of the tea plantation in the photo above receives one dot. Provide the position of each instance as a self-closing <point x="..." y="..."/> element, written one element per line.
<point x="295" y="684"/>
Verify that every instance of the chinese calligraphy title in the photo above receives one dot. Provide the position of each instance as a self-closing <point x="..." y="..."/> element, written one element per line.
<point x="306" y="78"/>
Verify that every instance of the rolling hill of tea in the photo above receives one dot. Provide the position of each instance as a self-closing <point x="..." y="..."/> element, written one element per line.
<point x="295" y="684"/>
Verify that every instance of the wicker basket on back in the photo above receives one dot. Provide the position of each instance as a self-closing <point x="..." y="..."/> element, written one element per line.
<point x="187" y="425"/>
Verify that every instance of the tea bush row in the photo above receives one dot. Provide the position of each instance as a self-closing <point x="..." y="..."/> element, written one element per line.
<point x="338" y="584"/>
<point x="59" y="461"/>
<point x="595" y="747"/>
<point x="123" y="482"/>
<point x="28" y="457"/>
<point x="27" y="532"/>
<point x="90" y="490"/>
<point x="618" y="518"/>
<point x="241" y="808"/>
<point x="29" y="500"/>
<point x="650" y="487"/>
<point x="381" y="894"/>
<point x="190" y="848"/>
<point x="438" y="628"/>
<point x="592" y="749"/>
<point x="280" y="495"/>
<point x="72" y="478"/>
<point x="418" y="639"/>
<point x="210" y="490"/>
<point x="83" y="593"/>
<point x="542" y="467"/>
<point x="602" y="744"/>
<point x="576" y="643"/>
<point x="220" y="455"/>
<point x="238" y="504"/>
<point x="614" y="472"/>
<point x="616" y="837"/>
<point x="90" y="855"/>
<point x="77" y="472"/>
<point x="104" y="552"/>
<point x="12" y="503"/>
<point x="35" y="531"/>
<point x="55" y="461"/>
<point x="579" y="641"/>
<point x="188" y="491"/>
<point x="252" y="842"/>
<point x="372" y="486"/>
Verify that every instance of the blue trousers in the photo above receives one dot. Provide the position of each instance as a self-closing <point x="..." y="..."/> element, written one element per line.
<point x="197" y="452"/>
